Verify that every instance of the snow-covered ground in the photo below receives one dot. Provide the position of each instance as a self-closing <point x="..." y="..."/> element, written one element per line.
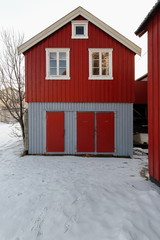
<point x="74" y="198"/>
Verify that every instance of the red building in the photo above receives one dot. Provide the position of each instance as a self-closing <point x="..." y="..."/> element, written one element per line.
<point x="151" y="24"/>
<point x="141" y="90"/>
<point x="80" y="87"/>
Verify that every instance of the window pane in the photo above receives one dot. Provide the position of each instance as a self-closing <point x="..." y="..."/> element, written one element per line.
<point x="53" y="63"/>
<point x="104" y="63"/>
<point x="95" y="71"/>
<point x="95" y="55"/>
<point x="104" y="71"/>
<point x="95" y="63"/>
<point x="53" y="55"/>
<point x="62" y="56"/>
<point x="53" y="71"/>
<point x="79" y="30"/>
<point x="105" y="55"/>
<point x="62" y="63"/>
<point x="62" y="71"/>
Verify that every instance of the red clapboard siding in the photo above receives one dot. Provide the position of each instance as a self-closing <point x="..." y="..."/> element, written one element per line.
<point x="79" y="88"/>
<point x="55" y="132"/>
<point x="154" y="96"/>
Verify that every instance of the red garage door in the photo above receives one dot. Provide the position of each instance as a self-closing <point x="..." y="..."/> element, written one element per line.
<point x="105" y="131"/>
<point x="95" y="128"/>
<point x="85" y="132"/>
<point x="55" y="132"/>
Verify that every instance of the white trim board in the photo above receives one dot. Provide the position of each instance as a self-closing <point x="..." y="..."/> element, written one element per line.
<point x="58" y="76"/>
<point x="100" y="76"/>
<point x="69" y="17"/>
<point x="82" y="23"/>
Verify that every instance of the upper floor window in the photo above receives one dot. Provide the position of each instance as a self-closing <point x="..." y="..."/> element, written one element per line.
<point x="80" y="29"/>
<point x="100" y="63"/>
<point x="57" y="63"/>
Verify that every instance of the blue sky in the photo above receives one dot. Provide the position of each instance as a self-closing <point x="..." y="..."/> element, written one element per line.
<point x="32" y="16"/>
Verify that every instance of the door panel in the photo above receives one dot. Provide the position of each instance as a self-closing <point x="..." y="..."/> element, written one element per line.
<point x="55" y="132"/>
<point x="105" y="131"/>
<point x="85" y="132"/>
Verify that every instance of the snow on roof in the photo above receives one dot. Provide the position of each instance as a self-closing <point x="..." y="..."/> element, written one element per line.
<point x="67" y="18"/>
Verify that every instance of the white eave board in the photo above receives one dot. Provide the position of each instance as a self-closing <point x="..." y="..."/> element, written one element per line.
<point x="69" y="17"/>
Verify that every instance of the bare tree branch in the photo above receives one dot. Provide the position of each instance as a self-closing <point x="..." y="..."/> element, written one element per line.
<point x="12" y="92"/>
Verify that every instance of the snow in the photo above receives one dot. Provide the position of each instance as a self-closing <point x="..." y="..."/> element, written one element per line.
<point x="74" y="198"/>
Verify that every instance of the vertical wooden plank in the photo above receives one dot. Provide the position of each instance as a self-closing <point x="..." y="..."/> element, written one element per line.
<point x="79" y="88"/>
<point x="158" y="79"/>
<point x="154" y="96"/>
<point x="55" y="132"/>
<point x="85" y="132"/>
<point x="105" y="131"/>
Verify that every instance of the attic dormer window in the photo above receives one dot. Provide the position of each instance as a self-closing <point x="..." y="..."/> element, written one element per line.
<point x="80" y="29"/>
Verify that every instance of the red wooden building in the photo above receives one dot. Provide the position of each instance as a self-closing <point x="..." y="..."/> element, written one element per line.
<point x="151" y="24"/>
<point x="141" y="90"/>
<point x="80" y="87"/>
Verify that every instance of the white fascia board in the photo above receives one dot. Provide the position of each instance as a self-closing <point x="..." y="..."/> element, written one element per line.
<point x="113" y="33"/>
<point x="46" y="32"/>
<point x="79" y="11"/>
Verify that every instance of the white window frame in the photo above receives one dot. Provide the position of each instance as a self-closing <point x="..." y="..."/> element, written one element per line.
<point x="79" y="23"/>
<point x="57" y="77"/>
<point x="100" y="76"/>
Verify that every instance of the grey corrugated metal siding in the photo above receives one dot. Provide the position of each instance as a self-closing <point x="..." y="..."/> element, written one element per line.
<point x="37" y="125"/>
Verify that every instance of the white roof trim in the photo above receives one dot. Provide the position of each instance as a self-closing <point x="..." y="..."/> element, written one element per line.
<point x="69" y="17"/>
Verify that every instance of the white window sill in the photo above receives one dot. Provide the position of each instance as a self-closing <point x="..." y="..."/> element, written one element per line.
<point x="58" y="78"/>
<point x="79" y="37"/>
<point x="100" y="78"/>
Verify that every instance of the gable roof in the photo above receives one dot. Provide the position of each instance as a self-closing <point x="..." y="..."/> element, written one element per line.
<point x="79" y="11"/>
<point x="143" y="26"/>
